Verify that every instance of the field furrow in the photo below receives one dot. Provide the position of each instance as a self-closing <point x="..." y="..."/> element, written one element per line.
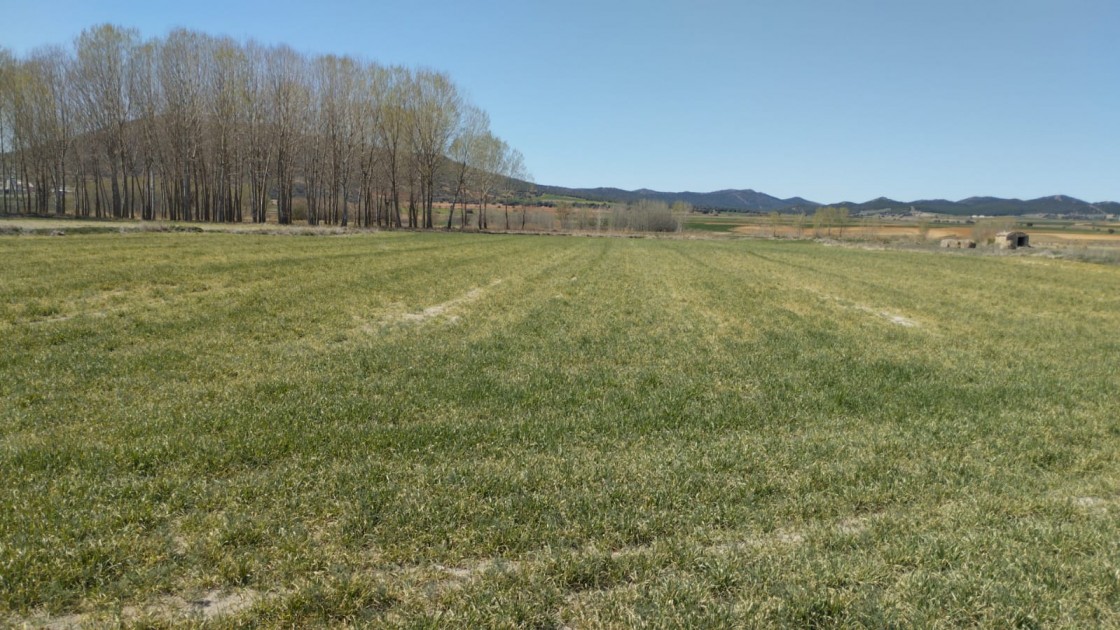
<point x="470" y="430"/>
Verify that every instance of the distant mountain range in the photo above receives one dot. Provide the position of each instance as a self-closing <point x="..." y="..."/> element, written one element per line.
<point x="753" y="201"/>
<point x="993" y="206"/>
<point x="738" y="200"/>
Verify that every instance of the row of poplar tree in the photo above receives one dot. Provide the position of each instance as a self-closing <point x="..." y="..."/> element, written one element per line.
<point x="192" y="127"/>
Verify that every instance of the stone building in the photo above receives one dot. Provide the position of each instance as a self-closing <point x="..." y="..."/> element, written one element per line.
<point x="1012" y="240"/>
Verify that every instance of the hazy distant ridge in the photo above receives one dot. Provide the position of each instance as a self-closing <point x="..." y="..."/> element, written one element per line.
<point x="748" y="200"/>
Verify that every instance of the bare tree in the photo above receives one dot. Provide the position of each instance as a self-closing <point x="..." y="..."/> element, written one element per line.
<point x="54" y="126"/>
<point x="338" y="83"/>
<point x="437" y="107"/>
<point x="371" y="90"/>
<point x="514" y="171"/>
<point x="841" y="217"/>
<point x="181" y="74"/>
<point x="7" y="91"/>
<point x="22" y="105"/>
<point x="224" y="95"/>
<point x="255" y="139"/>
<point x="147" y="98"/>
<point x="474" y="126"/>
<point x="393" y="130"/>
<point x="39" y="128"/>
<point x="680" y="211"/>
<point x="488" y="166"/>
<point x="101" y="82"/>
<point x="290" y="100"/>
<point x="184" y="127"/>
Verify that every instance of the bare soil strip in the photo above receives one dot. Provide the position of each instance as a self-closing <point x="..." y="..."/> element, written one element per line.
<point x="439" y="309"/>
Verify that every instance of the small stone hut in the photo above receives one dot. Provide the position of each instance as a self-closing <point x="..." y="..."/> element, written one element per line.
<point x="1012" y="240"/>
<point x="958" y="243"/>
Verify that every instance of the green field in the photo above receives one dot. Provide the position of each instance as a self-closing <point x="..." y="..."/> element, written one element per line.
<point x="575" y="201"/>
<point x="706" y="223"/>
<point x="454" y="430"/>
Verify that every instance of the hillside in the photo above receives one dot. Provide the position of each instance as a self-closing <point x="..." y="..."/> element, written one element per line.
<point x="740" y="200"/>
<point x="993" y="206"/>
<point x="748" y="200"/>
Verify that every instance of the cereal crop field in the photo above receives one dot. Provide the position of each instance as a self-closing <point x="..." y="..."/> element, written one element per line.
<point x="457" y="430"/>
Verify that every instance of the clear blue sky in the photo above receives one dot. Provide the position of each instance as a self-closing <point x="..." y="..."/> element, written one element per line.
<point x="831" y="100"/>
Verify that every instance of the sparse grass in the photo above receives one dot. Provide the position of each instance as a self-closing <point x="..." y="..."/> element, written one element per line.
<point x="1103" y="255"/>
<point x="462" y="430"/>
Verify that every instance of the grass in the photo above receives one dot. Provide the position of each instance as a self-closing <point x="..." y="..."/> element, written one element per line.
<point x="720" y="223"/>
<point x="575" y="201"/>
<point x="466" y="430"/>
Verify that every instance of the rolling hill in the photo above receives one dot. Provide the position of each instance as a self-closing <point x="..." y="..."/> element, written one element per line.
<point x="739" y="200"/>
<point x="748" y="200"/>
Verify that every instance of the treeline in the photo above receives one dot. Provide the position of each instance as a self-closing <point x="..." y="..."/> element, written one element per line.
<point x="824" y="220"/>
<point x="644" y="215"/>
<point x="193" y="127"/>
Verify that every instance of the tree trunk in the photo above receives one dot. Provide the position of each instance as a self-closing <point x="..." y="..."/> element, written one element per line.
<point x="116" y="188"/>
<point x="345" y="207"/>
